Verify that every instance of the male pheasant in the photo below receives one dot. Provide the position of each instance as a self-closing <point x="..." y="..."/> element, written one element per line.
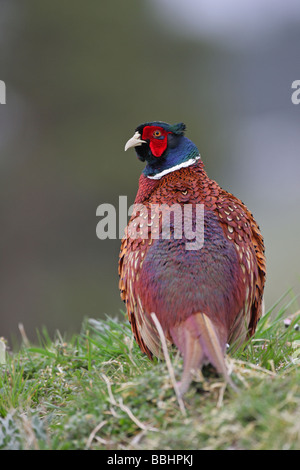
<point x="203" y="297"/>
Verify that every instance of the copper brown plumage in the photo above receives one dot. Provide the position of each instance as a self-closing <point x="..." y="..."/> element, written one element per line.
<point x="203" y="298"/>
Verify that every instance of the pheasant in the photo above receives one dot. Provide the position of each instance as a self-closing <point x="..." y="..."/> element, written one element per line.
<point x="204" y="297"/>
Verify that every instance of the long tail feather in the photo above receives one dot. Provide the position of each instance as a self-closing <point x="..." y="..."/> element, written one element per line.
<point x="199" y="341"/>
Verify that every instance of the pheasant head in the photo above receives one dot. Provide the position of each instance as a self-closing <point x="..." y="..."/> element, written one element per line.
<point x="163" y="146"/>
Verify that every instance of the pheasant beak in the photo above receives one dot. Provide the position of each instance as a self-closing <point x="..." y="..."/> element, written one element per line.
<point x="135" y="141"/>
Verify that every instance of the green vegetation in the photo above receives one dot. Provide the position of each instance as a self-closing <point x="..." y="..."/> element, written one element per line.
<point x="97" y="391"/>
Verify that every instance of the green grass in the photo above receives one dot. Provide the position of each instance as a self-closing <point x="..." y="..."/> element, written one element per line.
<point x="98" y="391"/>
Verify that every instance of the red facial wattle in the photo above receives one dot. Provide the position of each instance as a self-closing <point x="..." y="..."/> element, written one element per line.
<point x="158" y="139"/>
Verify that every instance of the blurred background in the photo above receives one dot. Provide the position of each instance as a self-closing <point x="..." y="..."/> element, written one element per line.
<point x="80" y="76"/>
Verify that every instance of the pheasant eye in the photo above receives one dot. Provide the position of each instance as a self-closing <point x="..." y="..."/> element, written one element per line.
<point x="156" y="133"/>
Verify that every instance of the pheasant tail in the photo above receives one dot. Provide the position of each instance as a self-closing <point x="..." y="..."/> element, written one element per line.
<point x="200" y="342"/>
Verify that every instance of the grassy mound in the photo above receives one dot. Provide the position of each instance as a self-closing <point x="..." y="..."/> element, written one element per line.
<point x="97" y="391"/>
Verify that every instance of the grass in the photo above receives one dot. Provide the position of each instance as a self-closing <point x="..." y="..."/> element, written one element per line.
<point x="97" y="391"/>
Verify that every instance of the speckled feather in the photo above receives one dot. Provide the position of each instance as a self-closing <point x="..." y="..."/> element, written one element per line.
<point x="224" y="280"/>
